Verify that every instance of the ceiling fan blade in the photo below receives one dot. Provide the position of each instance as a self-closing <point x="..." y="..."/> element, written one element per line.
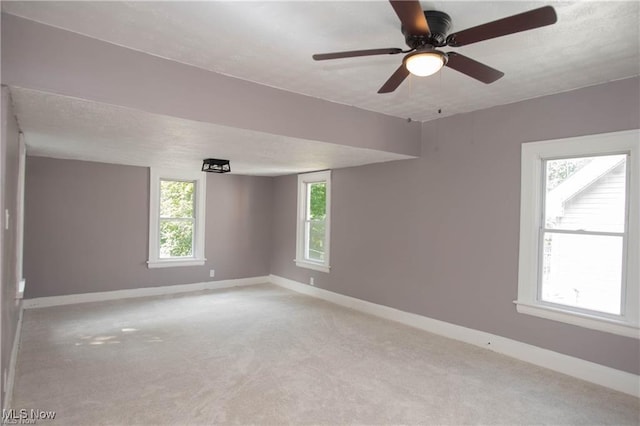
<point x="513" y="24"/>
<point x="354" y="53"/>
<point x="395" y="80"/>
<point x="412" y="16"/>
<point x="473" y="69"/>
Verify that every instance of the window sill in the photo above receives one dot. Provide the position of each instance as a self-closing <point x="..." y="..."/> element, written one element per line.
<point x="607" y="325"/>
<point x="311" y="265"/>
<point x="174" y="263"/>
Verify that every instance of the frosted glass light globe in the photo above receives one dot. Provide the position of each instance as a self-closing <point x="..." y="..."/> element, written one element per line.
<point x="423" y="64"/>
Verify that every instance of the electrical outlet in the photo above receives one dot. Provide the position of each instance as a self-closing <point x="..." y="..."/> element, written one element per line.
<point x="212" y="273"/>
<point x="312" y="281"/>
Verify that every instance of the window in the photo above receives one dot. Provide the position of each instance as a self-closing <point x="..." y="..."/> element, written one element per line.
<point x="314" y="211"/>
<point x="579" y="231"/>
<point x="176" y="218"/>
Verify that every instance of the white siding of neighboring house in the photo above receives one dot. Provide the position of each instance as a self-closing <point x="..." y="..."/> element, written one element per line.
<point x="599" y="206"/>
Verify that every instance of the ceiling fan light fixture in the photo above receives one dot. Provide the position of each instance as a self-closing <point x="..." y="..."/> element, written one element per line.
<point x="425" y="62"/>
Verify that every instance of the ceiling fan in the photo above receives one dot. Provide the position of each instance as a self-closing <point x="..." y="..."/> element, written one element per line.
<point x="425" y="31"/>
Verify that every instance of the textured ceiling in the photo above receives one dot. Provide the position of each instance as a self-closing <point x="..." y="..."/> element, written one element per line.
<point x="271" y="43"/>
<point x="62" y="127"/>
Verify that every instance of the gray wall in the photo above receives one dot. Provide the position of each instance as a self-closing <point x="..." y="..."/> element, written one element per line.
<point x="87" y="229"/>
<point x="438" y="236"/>
<point x="9" y="191"/>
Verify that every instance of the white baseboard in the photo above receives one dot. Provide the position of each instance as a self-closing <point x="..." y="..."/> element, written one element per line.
<point x="621" y="381"/>
<point x="11" y="374"/>
<point x="43" y="302"/>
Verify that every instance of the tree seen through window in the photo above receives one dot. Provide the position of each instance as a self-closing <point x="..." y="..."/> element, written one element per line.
<point x="177" y="219"/>
<point x="316" y="216"/>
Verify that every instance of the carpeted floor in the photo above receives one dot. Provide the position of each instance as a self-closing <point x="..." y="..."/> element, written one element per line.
<point x="265" y="355"/>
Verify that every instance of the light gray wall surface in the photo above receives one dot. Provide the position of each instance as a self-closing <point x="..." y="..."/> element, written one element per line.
<point x="87" y="229"/>
<point x="438" y="235"/>
<point x="9" y="167"/>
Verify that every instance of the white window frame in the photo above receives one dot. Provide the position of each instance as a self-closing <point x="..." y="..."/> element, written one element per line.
<point x="531" y="203"/>
<point x="22" y="159"/>
<point x="303" y="181"/>
<point x="200" y="179"/>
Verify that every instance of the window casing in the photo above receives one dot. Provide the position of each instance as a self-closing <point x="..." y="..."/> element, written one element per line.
<point x="176" y="218"/>
<point x="313" y="222"/>
<point x="22" y="152"/>
<point x="579" y="257"/>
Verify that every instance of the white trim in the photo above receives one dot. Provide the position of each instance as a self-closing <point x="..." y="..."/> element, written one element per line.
<point x="175" y="263"/>
<point x="22" y="158"/>
<point x="71" y="299"/>
<point x="580" y="319"/>
<point x="200" y="179"/>
<point x="303" y="180"/>
<point x="621" y="381"/>
<point x="531" y="201"/>
<point x="311" y="265"/>
<point x="11" y="375"/>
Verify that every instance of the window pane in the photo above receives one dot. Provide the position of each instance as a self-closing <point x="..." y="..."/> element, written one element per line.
<point x="315" y="241"/>
<point x="586" y="193"/>
<point x="317" y="200"/>
<point x="584" y="271"/>
<point x="177" y="199"/>
<point x="176" y="238"/>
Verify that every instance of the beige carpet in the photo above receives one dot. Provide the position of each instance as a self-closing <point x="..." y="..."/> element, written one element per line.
<point x="265" y="355"/>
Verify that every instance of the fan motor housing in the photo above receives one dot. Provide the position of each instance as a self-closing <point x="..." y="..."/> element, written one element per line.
<point x="439" y="26"/>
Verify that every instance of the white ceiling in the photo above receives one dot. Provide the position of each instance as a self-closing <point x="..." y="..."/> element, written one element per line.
<point x="272" y="42"/>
